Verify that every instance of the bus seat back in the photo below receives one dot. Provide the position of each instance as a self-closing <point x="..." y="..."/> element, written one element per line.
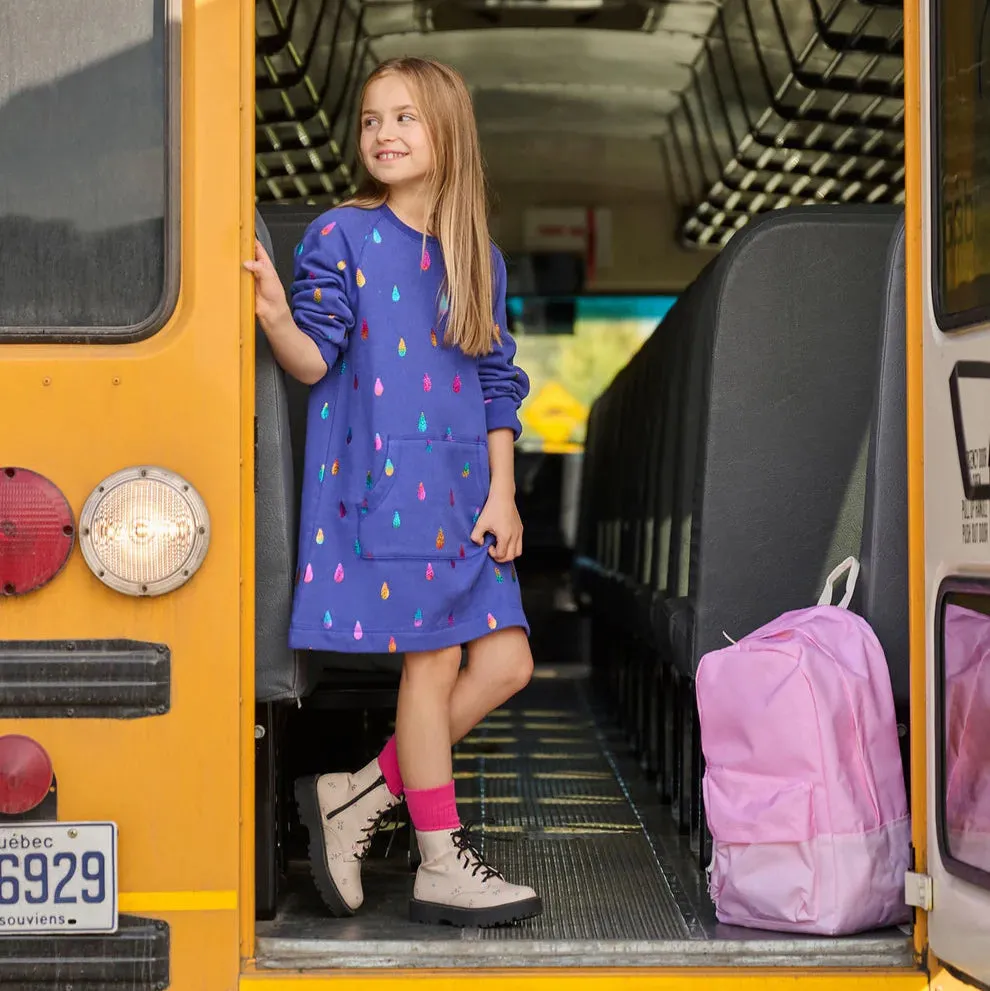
<point x="794" y="317"/>
<point x="279" y="675"/>
<point x="884" y="553"/>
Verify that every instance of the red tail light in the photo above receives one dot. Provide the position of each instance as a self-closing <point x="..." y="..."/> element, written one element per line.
<point x="37" y="531"/>
<point x="25" y="774"/>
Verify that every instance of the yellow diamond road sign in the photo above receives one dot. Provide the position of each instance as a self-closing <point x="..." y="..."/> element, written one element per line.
<point x="554" y="413"/>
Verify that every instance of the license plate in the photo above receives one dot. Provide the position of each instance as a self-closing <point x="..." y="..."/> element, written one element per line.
<point x="58" y="877"/>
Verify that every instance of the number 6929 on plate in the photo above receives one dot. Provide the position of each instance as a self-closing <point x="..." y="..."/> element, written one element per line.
<point x="58" y="877"/>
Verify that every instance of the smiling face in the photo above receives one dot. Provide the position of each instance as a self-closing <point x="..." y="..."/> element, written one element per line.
<point x="395" y="146"/>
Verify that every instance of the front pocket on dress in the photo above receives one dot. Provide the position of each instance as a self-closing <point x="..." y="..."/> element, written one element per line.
<point x="426" y="500"/>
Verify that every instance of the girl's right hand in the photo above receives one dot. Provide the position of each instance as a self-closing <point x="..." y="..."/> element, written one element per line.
<point x="269" y="294"/>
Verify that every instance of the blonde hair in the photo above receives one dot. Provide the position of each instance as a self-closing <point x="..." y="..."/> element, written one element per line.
<point x="458" y="215"/>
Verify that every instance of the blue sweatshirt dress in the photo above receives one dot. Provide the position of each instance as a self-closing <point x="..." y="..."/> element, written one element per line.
<point x="396" y="447"/>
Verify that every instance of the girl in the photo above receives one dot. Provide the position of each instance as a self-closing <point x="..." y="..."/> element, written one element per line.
<point x="409" y="525"/>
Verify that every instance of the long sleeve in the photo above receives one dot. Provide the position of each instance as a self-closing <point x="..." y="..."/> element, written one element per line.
<point x="323" y="272"/>
<point x="503" y="384"/>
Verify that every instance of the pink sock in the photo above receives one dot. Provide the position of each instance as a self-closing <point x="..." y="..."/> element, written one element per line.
<point x="433" y="808"/>
<point x="388" y="761"/>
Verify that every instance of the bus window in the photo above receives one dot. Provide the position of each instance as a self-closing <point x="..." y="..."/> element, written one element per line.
<point x="961" y="196"/>
<point x="83" y="121"/>
<point x="964" y="817"/>
<point x="570" y="365"/>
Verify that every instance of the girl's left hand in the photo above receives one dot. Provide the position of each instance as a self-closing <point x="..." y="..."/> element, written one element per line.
<point x="501" y="518"/>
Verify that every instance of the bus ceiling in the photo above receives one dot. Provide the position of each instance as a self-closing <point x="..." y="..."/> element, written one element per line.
<point x="728" y="110"/>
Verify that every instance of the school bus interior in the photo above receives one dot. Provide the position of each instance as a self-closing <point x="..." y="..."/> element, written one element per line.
<point x="694" y="470"/>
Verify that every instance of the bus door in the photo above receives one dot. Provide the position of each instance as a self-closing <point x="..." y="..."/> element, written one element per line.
<point x="954" y="302"/>
<point x="126" y="197"/>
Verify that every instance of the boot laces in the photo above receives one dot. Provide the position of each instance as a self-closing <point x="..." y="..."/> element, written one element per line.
<point x="368" y="831"/>
<point x="472" y="859"/>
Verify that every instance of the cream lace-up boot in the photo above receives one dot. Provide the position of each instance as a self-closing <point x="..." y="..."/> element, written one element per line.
<point x="342" y="813"/>
<point x="455" y="885"/>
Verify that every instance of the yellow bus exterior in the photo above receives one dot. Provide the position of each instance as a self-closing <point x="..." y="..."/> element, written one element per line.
<point x="180" y="785"/>
<point x="183" y="399"/>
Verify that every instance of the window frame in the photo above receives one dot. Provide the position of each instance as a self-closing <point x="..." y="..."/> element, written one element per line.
<point x="948" y="321"/>
<point x="171" y="243"/>
<point x="958" y="868"/>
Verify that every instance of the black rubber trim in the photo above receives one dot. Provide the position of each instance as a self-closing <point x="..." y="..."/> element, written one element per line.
<point x="135" y="958"/>
<point x="947" y="319"/>
<point x="958" y="868"/>
<point x="96" y="679"/>
<point x="308" y="806"/>
<point x="966" y="370"/>
<point x="437" y="913"/>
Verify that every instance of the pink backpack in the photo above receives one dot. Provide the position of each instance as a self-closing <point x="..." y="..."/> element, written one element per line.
<point x="804" y="789"/>
<point x="967" y="704"/>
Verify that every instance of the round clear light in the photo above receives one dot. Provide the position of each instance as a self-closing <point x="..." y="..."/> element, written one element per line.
<point x="144" y="531"/>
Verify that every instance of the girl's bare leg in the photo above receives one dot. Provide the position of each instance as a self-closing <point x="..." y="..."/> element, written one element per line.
<point x="422" y="718"/>
<point x="499" y="665"/>
<point x="454" y="883"/>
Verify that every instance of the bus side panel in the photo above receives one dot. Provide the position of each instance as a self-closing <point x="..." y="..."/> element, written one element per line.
<point x="170" y="781"/>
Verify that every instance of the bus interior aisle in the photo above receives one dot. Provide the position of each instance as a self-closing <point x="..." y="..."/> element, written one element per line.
<point x="557" y="799"/>
<point x="768" y="447"/>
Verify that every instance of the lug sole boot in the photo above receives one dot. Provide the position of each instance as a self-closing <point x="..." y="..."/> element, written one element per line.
<point x="342" y="813"/>
<point x="455" y="886"/>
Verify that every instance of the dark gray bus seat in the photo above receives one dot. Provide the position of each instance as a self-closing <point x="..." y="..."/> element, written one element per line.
<point x="787" y="405"/>
<point x="884" y="550"/>
<point x="278" y="672"/>
<point x="782" y="450"/>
